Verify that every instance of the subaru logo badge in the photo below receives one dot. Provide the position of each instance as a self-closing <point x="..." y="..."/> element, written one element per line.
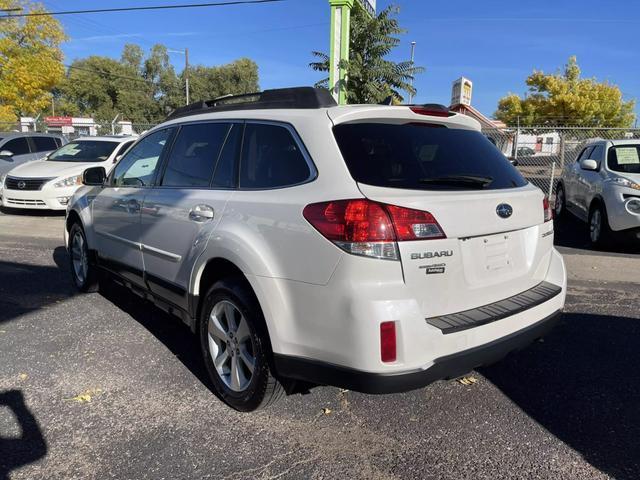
<point x="504" y="210"/>
<point x="21" y="184"/>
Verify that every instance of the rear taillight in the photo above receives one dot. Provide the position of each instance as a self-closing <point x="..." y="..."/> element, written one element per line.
<point x="548" y="211"/>
<point x="388" y="341"/>
<point x="371" y="229"/>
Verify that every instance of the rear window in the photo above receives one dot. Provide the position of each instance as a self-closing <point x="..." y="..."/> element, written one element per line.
<point x="624" y="158"/>
<point x="424" y="157"/>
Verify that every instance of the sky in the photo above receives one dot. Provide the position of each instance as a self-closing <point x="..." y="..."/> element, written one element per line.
<point x="494" y="43"/>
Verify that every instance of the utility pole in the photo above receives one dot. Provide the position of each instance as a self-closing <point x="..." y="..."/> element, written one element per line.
<point x="184" y="52"/>
<point x="413" y="53"/>
<point x="186" y="73"/>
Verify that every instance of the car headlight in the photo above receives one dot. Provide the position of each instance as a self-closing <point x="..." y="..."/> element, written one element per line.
<point x="625" y="182"/>
<point x="2" y="177"/>
<point x="69" y="182"/>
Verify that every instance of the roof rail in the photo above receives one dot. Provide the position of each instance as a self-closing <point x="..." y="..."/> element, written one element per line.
<point x="297" y="97"/>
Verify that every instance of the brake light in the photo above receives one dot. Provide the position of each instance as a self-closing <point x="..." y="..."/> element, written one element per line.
<point x="388" y="341"/>
<point x="434" y="111"/>
<point x="371" y="229"/>
<point x="548" y="211"/>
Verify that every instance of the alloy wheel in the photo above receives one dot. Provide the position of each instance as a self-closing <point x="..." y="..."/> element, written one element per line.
<point x="231" y="346"/>
<point x="595" y="226"/>
<point x="79" y="258"/>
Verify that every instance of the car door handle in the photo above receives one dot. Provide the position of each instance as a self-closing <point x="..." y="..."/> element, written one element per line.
<point x="201" y="213"/>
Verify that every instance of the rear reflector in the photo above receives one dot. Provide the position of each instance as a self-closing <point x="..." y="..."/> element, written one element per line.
<point x="388" y="341"/>
<point x="548" y="211"/>
<point x="371" y="229"/>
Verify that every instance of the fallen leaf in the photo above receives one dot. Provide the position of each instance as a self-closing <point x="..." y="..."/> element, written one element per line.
<point x="468" y="380"/>
<point x="23" y="376"/>
<point x="326" y="411"/>
<point x="85" y="397"/>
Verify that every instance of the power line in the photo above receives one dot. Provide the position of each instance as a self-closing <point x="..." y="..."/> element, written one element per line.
<point x="109" y="74"/>
<point x="150" y="7"/>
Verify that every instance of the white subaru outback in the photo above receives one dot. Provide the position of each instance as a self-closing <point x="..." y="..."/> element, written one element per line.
<point x="374" y="248"/>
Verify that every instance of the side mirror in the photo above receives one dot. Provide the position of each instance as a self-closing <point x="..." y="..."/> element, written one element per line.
<point x="588" y="164"/>
<point x="6" y="153"/>
<point x="94" y="176"/>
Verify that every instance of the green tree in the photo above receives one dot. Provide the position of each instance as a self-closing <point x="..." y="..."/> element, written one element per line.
<point x="30" y="60"/>
<point x="370" y="76"/>
<point x="234" y="78"/>
<point x="567" y="99"/>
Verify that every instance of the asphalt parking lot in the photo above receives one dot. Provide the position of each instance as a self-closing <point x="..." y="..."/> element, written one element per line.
<point x="106" y="386"/>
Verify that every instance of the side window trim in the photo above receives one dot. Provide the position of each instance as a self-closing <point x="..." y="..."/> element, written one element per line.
<point x="313" y="171"/>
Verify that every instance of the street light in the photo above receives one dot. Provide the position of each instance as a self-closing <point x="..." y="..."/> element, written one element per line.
<point x="184" y="52"/>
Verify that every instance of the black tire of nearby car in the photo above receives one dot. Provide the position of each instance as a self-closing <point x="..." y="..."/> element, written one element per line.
<point x="560" y="206"/>
<point x="606" y="234"/>
<point x="264" y="389"/>
<point x="91" y="281"/>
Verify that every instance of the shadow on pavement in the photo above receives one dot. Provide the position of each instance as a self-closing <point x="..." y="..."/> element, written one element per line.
<point x="572" y="233"/>
<point x="25" y="212"/>
<point x="582" y="385"/>
<point x="27" y="448"/>
<point x="25" y="287"/>
<point x="168" y="329"/>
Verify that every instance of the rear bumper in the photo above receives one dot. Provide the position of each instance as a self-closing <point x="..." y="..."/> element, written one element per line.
<point x="450" y="366"/>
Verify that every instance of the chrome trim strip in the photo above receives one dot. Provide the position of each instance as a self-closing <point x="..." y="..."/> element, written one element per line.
<point x="110" y="236"/>
<point x="161" y="253"/>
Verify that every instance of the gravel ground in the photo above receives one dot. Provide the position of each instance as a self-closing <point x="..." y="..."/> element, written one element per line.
<point x="105" y="386"/>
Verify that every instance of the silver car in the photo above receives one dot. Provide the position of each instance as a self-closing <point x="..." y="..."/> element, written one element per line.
<point x="19" y="147"/>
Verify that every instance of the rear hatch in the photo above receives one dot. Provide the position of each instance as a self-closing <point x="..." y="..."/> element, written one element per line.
<point x="497" y="243"/>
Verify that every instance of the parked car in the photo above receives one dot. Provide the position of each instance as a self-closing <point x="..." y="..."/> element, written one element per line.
<point x="602" y="187"/>
<point x="526" y="151"/>
<point x="17" y="148"/>
<point x="308" y="243"/>
<point x="50" y="183"/>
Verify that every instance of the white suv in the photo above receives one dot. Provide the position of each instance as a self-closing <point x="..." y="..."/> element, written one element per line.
<point x="602" y="187"/>
<point x="375" y="248"/>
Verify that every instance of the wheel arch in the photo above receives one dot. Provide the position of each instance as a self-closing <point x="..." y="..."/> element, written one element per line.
<point x="217" y="268"/>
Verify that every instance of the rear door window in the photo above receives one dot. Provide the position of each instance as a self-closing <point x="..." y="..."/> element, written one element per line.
<point x="421" y="156"/>
<point x="194" y="155"/>
<point x="17" y="146"/>
<point x="226" y="173"/>
<point x="271" y="158"/>
<point x="44" y="144"/>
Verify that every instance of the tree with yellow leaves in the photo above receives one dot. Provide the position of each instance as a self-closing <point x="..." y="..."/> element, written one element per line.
<point x="30" y="60"/>
<point x="567" y="99"/>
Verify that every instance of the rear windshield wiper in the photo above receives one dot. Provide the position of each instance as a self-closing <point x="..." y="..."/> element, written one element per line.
<point x="459" y="180"/>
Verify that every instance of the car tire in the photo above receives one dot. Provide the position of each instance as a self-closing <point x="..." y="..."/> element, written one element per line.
<point x="560" y="205"/>
<point x="235" y="346"/>
<point x="599" y="231"/>
<point x="84" y="273"/>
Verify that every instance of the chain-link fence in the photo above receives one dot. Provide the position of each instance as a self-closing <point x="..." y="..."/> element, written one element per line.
<point x="542" y="152"/>
<point x="77" y="127"/>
